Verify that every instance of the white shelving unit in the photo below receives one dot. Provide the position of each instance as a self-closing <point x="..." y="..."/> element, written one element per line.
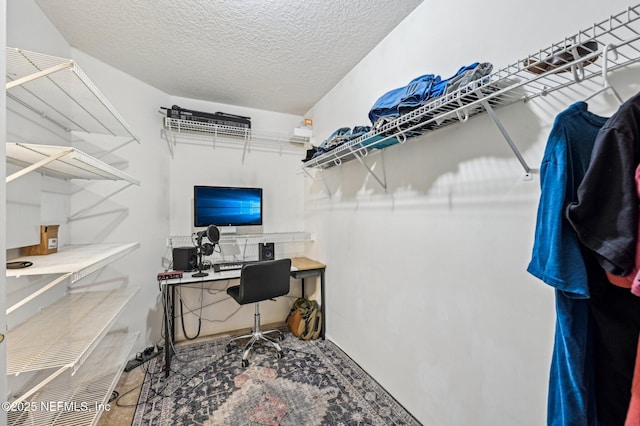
<point x="274" y="237"/>
<point x="79" y="260"/>
<point x="589" y="56"/>
<point x="58" y="91"/>
<point x="184" y="131"/>
<point x="94" y="381"/>
<point x="66" y="346"/>
<point x="245" y="246"/>
<point x="71" y="262"/>
<point x="62" y="162"/>
<point x="64" y="334"/>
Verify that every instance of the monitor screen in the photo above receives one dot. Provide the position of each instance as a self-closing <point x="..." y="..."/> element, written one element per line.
<point x="227" y="206"/>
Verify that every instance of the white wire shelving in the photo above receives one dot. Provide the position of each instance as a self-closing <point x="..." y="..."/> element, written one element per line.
<point x="273" y="237"/>
<point x="65" y="347"/>
<point x="64" y="334"/>
<point x="80" y="398"/>
<point x="57" y="90"/>
<point x="79" y="260"/>
<point x="62" y="162"/>
<point x="583" y="58"/>
<point x="214" y="135"/>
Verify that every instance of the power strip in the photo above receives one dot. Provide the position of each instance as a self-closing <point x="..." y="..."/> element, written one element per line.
<point x="141" y="358"/>
<point x="169" y="275"/>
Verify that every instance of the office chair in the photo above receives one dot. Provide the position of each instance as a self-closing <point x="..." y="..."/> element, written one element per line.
<point x="260" y="281"/>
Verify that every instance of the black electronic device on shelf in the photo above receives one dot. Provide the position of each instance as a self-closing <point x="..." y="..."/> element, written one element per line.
<point x="217" y="118"/>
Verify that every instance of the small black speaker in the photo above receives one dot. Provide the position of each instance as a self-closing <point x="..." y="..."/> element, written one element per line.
<point x="267" y="251"/>
<point x="185" y="259"/>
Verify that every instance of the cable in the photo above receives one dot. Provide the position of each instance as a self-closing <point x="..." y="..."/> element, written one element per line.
<point x="167" y="316"/>
<point x="202" y="318"/>
<point x="188" y="378"/>
<point x="184" y="331"/>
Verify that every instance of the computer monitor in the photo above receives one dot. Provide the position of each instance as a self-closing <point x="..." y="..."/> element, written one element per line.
<point x="226" y="206"/>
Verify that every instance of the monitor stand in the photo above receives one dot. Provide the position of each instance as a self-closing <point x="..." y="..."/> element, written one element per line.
<point x="227" y="229"/>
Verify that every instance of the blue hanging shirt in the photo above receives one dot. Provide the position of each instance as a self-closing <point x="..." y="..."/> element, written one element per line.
<point x="557" y="261"/>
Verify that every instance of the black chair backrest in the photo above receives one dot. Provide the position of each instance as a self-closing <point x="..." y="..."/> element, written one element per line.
<point x="264" y="280"/>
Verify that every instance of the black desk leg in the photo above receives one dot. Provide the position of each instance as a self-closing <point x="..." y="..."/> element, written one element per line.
<point x="323" y="305"/>
<point x="169" y="326"/>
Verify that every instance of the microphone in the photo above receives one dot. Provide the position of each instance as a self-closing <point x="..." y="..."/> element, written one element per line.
<point x="212" y="233"/>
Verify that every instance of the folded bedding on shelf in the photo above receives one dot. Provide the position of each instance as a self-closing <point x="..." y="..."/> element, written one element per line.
<point x="410" y="96"/>
<point x="339" y="137"/>
<point x="397" y="102"/>
<point x="422" y="89"/>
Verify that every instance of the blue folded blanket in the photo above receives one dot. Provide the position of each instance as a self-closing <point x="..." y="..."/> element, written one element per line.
<point x="423" y="88"/>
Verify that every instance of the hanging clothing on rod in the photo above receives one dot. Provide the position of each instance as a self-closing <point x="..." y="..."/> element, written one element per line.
<point x="557" y="261"/>
<point x="605" y="219"/>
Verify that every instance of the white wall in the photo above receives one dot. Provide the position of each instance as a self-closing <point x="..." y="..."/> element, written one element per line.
<point x="426" y="283"/>
<point x="283" y="208"/>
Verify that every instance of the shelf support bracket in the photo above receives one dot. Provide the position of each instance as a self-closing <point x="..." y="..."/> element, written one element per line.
<point x="165" y="133"/>
<point x="246" y="146"/>
<point x="40" y="385"/>
<point x="382" y="181"/>
<point x="38" y="292"/>
<point x="79" y="214"/>
<point x="36" y="75"/>
<point x="326" y="187"/>
<point x="39" y="164"/>
<point x="512" y="145"/>
<point x="104" y="154"/>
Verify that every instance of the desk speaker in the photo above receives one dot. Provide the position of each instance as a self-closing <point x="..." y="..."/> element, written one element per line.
<point x="185" y="259"/>
<point x="266" y="251"/>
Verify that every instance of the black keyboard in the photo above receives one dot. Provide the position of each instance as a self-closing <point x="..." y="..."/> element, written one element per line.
<point x="231" y="266"/>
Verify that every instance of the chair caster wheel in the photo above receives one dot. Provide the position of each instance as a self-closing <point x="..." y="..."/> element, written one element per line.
<point x="245" y="363"/>
<point x="228" y="348"/>
<point x="280" y="337"/>
<point x="279" y="355"/>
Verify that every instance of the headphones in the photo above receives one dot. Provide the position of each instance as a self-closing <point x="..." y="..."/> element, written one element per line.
<point x="19" y="264"/>
<point x="213" y="234"/>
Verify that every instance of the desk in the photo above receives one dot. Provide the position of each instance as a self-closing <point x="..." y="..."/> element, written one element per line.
<point x="301" y="268"/>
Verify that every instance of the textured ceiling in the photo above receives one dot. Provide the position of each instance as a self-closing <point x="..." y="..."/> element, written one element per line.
<point x="276" y="55"/>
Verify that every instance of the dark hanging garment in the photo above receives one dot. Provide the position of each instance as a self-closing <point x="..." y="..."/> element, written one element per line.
<point x="605" y="218"/>
<point x="557" y="260"/>
<point x="605" y="215"/>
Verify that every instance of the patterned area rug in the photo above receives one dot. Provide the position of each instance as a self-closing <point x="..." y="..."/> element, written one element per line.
<point x="315" y="383"/>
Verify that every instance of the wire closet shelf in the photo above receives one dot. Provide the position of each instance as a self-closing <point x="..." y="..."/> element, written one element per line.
<point x="606" y="46"/>
<point x="61" y="161"/>
<point x="65" y="334"/>
<point x="94" y="381"/>
<point x="272" y="237"/>
<point x="199" y="133"/>
<point x="57" y="90"/>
